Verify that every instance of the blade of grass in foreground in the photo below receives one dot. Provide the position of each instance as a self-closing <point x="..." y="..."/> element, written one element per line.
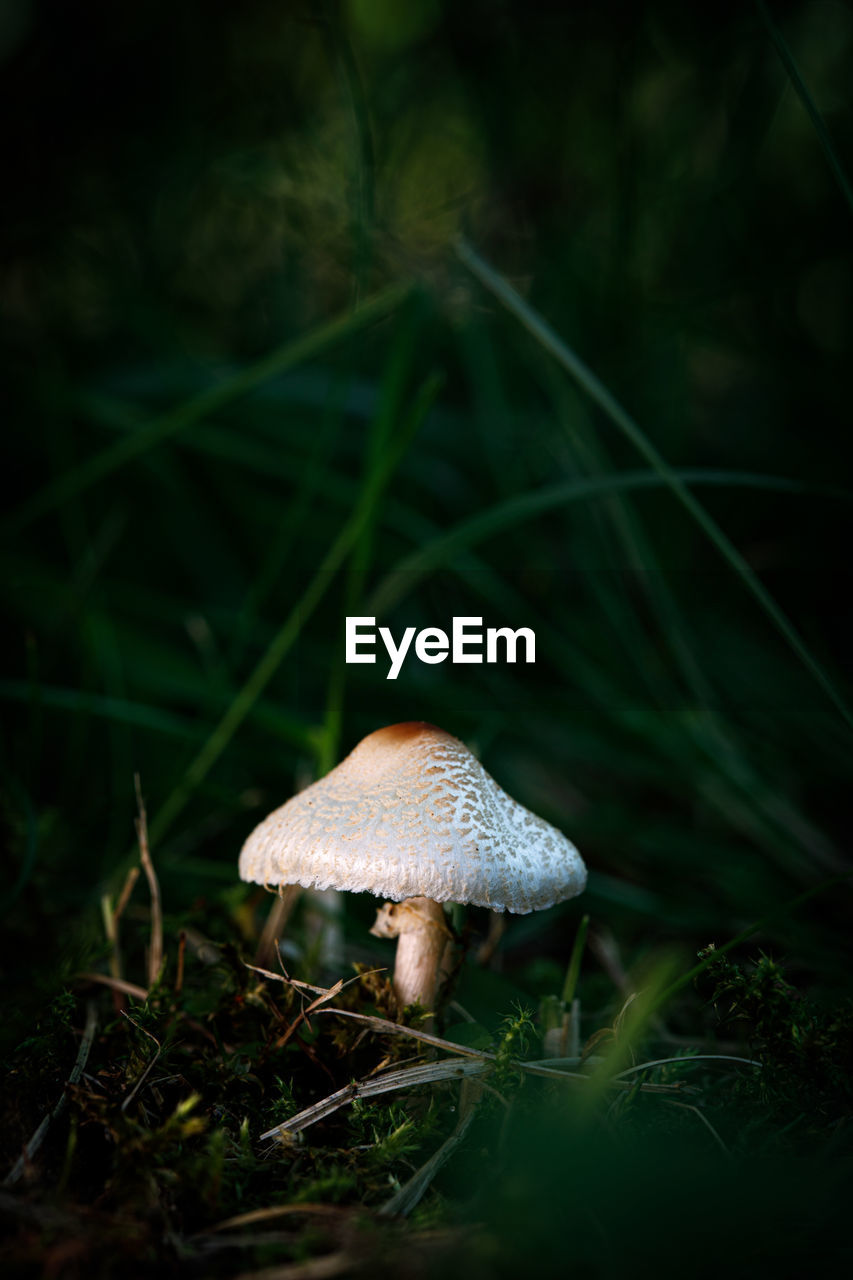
<point x="201" y="406"/>
<point x="525" y="506"/>
<point x="808" y="102"/>
<point x="389" y="413"/>
<point x="610" y="406"/>
<point x="285" y="638"/>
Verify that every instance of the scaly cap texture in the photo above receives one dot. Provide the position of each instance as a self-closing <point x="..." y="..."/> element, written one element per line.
<point x="411" y="812"/>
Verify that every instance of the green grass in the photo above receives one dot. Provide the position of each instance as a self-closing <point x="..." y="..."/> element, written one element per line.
<point x="524" y="322"/>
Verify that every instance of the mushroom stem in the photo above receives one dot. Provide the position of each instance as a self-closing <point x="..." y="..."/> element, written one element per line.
<point x="423" y="936"/>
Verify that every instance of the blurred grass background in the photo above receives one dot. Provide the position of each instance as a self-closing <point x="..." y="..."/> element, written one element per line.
<point x="252" y="387"/>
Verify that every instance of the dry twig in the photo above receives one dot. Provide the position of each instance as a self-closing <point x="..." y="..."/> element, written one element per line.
<point x="135" y="1090"/>
<point x="280" y="1211"/>
<point x="117" y="984"/>
<point x="182" y="950"/>
<point x="388" y="1082"/>
<point x="155" y="954"/>
<point x="686" y="1106"/>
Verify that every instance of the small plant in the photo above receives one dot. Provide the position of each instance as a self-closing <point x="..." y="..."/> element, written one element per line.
<point x="515" y="1033"/>
<point x="805" y="1050"/>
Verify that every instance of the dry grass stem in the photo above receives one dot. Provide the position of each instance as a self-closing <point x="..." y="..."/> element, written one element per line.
<point x="112" y="916"/>
<point x="280" y="1211"/>
<point x="279" y="914"/>
<point x="397" y="1028"/>
<point x="124" y="897"/>
<point x="323" y="994"/>
<point x="692" y="1057"/>
<point x="118" y="984"/>
<point x="135" y="1090"/>
<point x="686" y="1106"/>
<point x="155" y="954"/>
<point x="388" y="1082"/>
<point x="548" y="1073"/>
<point x="479" y="1061"/>
<point x="536" y="1068"/>
<point x="26" y="1157"/>
<point x="326" y="992"/>
<point x="182" y="951"/>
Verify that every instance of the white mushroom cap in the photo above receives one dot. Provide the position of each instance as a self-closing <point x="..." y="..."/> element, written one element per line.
<point x="411" y="813"/>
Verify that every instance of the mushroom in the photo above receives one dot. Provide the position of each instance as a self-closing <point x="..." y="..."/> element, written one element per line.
<point x="411" y="815"/>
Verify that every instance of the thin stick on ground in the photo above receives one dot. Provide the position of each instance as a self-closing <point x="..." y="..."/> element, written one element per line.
<point x="474" y="1062"/>
<point x="117" y="984"/>
<point x="155" y="953"/>
<point x="112" y="916"/>
<point x="281" y="1211"/>
<point x="147" y="1071"/>
<point x="387" y="1082"/>
<point x="686" y="1106"/>
<point x="26" y="1157"/>
<point x="182" y="948"/>
<point x="124" y="896"/>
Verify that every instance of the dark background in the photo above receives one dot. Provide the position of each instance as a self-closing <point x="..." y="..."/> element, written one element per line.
<point x="190" y="187"/>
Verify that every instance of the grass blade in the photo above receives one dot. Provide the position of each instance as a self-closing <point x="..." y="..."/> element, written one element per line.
<point x="201" y="406"/>
<point x="285" y="638"/>
<point x="573" y="971"/>
<point x="379" y="440"/>
<point x="808" y="102"/>
<point x="525" y="506"/>
<point x="772" y="917"/>
<point x="610" y="406"/>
